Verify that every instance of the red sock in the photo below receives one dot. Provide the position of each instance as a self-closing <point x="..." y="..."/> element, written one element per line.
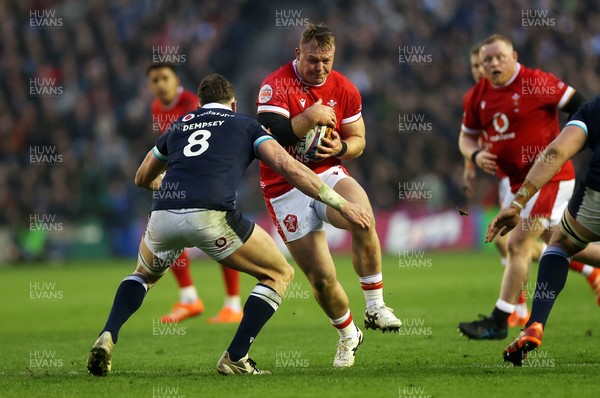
<point x="232" y="281"/>
<point x="522" y="297"/>
<point x="181" y="269"/>
<point x="576" y="266"/>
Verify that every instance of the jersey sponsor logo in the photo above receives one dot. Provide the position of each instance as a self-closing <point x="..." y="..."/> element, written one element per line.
<point x="188" y="117"/>
<point x="265" y="94"/>
<point x="500" y="122"/>
<point x="291" y="222"/>
<point x="221" y="242"/>
<point x="303" y="102"/>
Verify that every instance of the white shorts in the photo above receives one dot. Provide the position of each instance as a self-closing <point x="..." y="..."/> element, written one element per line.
<point x="296" y="214"/>
<point x="584" y="206"/>
<point x="504" y="194"/>
<point x="216" y="233"/>
<point x="548" y="204"/>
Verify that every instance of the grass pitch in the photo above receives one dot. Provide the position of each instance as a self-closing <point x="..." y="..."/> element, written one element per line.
<point x="51" y="315"/>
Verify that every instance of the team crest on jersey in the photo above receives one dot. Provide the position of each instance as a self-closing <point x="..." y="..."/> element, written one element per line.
<point x="516" y="97"/>
<point x="265" y="94"/>
<point x="291" y="223"/>
<point x="331" y="103"/>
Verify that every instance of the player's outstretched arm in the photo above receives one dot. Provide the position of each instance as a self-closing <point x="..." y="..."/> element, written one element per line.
<point x="309" y="183"/>
<point x="149" y="174"/>
<point x="570" y="141"/>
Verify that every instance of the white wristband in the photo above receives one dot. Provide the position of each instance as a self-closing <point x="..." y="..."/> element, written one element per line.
<point x="520" y="206"/>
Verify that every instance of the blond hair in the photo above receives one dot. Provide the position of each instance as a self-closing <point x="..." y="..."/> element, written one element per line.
<point x="496" y="37"/>
<point x="319" y="35"/>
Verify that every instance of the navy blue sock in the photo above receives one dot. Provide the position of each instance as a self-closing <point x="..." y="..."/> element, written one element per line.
<point x="552" y="276"/>
<point x="260" y="306"/>
<point x="128" y="299"/>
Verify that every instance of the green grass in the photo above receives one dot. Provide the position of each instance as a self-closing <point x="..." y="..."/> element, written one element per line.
<point x="436" y="362"/>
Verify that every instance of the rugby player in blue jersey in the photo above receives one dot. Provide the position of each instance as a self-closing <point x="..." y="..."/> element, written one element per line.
<point x="580" y="223"/>
<point x="205" y="154"/>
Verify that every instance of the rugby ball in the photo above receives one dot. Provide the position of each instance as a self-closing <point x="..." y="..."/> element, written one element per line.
<point x="307" y="145"/>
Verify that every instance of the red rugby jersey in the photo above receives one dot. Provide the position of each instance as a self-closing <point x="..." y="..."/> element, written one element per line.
<point x="518" y="120"/>
<point x="284" y="92"/>
<point x="164" y="115"/>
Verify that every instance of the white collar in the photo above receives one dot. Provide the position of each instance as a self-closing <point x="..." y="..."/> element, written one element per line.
<point x="216" y="105"/>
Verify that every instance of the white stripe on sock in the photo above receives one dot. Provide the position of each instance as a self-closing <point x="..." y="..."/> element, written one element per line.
<point x="267" y="294"/>
<point x="505" y="307"/>
<point x="371" y="278"/>
<point x="137" y="279"/>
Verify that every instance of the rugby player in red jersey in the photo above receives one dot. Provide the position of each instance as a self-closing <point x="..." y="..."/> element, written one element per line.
<point x="172" y="101"/>
<point x="515" y="111"/>
<point x="520" y="314"/>
<point x="295" y="98"/>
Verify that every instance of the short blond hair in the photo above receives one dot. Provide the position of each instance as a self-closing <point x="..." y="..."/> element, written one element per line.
<point x="494" y="38"/>
<point x="319" y="35"/>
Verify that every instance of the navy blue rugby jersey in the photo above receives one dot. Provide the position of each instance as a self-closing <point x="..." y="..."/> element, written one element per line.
<point x="207" y="152"/>
<point x="587" y="118"/>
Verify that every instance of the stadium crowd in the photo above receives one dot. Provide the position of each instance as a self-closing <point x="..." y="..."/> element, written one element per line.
<point x="75" y="109"/>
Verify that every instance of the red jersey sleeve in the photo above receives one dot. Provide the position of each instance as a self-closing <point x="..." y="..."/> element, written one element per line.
<point x="471" y="120"/>
<point x="548" y="88"/>
<point x="273" y="97"/>
<point x="352" y="103"/>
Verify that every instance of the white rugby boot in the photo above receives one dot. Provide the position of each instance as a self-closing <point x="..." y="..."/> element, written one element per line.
<point x="382" y="317"/>
<point x="346" y="350"/>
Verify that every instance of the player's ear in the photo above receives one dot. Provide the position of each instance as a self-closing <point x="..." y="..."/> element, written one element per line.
<point x="234" y="105"/>
<point x="515" y="56"/>
<point x="297" y="53"/>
